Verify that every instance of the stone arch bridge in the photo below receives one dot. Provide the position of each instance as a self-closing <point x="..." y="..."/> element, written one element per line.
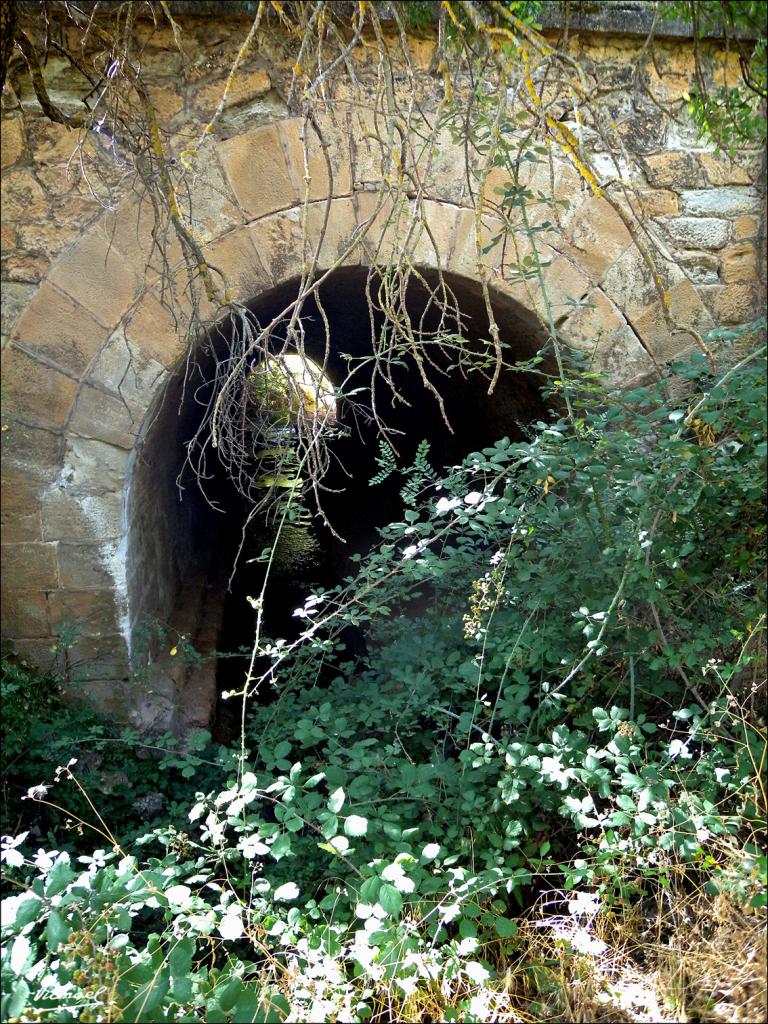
<point x="89" y="347"/>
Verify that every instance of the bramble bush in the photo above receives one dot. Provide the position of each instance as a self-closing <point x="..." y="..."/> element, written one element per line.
<point x="563" y="638"/>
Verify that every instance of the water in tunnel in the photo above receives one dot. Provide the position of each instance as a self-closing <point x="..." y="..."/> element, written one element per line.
<point x="195" y="527"/>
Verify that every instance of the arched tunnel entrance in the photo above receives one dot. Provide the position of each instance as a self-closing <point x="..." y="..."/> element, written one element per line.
<point x="192" y="571"/>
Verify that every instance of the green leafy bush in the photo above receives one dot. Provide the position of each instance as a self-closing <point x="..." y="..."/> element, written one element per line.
<point x="558" y="634"/>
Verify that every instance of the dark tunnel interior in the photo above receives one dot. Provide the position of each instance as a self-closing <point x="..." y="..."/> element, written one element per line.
<point x="206" y="541"/>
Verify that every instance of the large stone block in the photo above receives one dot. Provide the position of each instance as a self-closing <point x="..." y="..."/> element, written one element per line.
<point x="686" y="310"/>
<point x="35" y="451"/>
<point x="19" y="507"/>
<point x="337" y="237"/>
<point x="30" y="567"/>
<point x="25" y="614"/>
<point x="92" y="466"/>
<point x="56" y="327"/>
<point x="697" y="232"/>
<point x="735" y="304"/>
<point x="35" y="393"/>
<point x="674" y="170"/>
<point x="597" y="236"/>
<point x="153" y="330"/>
<point x="257" y="170"/>
<point x="739" y="263"/>
<point x="237" y="258"/>
<point x="208" y="199"/>
<point x="95" y="658"/>
<point x="125" y="370"/>
<point x="720" y="202"/>
<point x="80" y="518"/>
<point x="102" y="417"/>
<point x="97" y="276"/>
<point x="12" y="141"/>
<point x="600" y="330"/>
<point x="83" y="567"/>
<point x="299" y="136"/>
<point x="279" y="242"/>
<point x="92" y="612"/>
<point x="21" y="196"/>
<point x="14" y="299"/>
<point x="246" y="85"/>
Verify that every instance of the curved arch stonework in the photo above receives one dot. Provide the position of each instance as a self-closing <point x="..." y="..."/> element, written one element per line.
<point x="94" y="348"/>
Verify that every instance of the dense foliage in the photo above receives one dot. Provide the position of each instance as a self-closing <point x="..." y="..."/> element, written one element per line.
<point x="562" y="640"/>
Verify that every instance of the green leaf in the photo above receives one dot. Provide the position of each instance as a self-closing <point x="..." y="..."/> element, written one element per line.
<point x="355" y="825"/>
<point x="56" y="930"/>
<point x="336" y="800"/>
<point x="180" y="957"/>
<point x="390" y="899"/>
<point x="505" y="927"/>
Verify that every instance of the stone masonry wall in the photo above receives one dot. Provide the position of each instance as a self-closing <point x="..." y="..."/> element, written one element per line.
<point x="87" y="346"/>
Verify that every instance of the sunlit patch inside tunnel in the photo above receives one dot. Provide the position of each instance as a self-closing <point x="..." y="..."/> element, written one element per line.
<point x="196" y="549"/>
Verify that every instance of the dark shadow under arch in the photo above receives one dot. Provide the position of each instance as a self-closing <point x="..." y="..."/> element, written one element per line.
<point x="181" y="551"/>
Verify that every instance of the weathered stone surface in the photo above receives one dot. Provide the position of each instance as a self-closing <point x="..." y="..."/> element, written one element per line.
<point x="698" y="232"/>
<point x="30" y="567"/>
<point x="24" y="267"/>
<point x="102" y="417"/>
<point x="211" y="202"/>
<point x="700" y="267"/>
<point x="12" y="141"/>
<point x="46" y="238"/>
<point x="25" y="614"/>
<point x="722" y="171"/>
<point x="245" y="86"/>
<point x="166" y="101"/>
<point x="674" y="170"/>
<point x="82" y="567"/>
<point x="52" y="143"/>
<point x="19" y="507"/>
<point x="93" y="610"/>
<point x="35" y="393"/>
<point x="22" y="197"/>
<point x="14" y="298"/>
<point x="278" y="241"/>
<point x="80" y="518"/>
<point x="56" y="327"/>
<point x="601" y="332"/>
<point x="151" y="329"/>
<point x="127" y="371"/>
<point x="686" y="310"/>
<point x="36" y="451"/>
<point x="735" y="304"/>
<point x="237" y="258"/>
<point x="597" y="237"/>
<point x="94" y="658"/>
<point x="342" y="222"/>
<point x="336" y="138"/>
<point x="739" y="263"/>
<point x="720" y="202"/>
<point x="257" y="170"/>
<point x="744" y="227"/>
<point x="98" y="277"/>
<point x="659" y="203"/>
<point x="90" y="466"/>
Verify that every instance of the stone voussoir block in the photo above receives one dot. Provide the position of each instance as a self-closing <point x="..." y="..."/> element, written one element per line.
<point x="55" y="326"/>
<point x="297" y="135"/>
<point x="96" y="275"/>
<point x="257" y="170"/>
